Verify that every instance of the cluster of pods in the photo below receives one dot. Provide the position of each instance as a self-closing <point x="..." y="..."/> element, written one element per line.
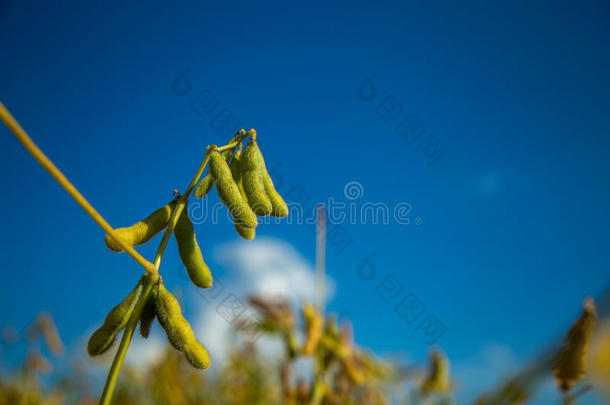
<point x="246" y="189"/>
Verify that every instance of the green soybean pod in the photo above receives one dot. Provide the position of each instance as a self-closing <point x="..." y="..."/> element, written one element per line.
<point x="229" y="194"/>
<point x="235" y="166"/>
<point x="189" y="252"/>
<point x="142" y="231"/>
<point x="205" y="184"/>
<point x="147" y="318"/>
<point x="177" y="329"/>
<point x="116" y="320"/>
<point x="252" y="179"/>
<point x="246" y="233"/>
<point x="278" y="205"/>
<point x="197" y="355"/>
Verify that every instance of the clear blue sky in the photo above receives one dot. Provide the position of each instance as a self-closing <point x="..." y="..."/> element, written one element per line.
<point x="515" y="213"/>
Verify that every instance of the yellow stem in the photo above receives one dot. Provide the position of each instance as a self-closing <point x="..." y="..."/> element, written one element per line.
<point x="46" y="164"/>
<point x="151" y="268"/>
<point x="117" y="362"/>
<point x="180" y="205"/>
<point x="113" y="373"/>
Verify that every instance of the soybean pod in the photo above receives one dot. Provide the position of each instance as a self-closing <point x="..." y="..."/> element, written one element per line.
<point x="190" y="253"/>
<point x="177" y="329"/>
<point x="229" y="194"/>
<point x="147" y="318"/>
<point x="116" y="320"/>
<point x="278" y="205"/>
<point x="205" y="184"/>
<point x="235" y="166"/>
<point x="246" y="233"/>
<point x="142" y="231"/>
<point x="252" y="178"/>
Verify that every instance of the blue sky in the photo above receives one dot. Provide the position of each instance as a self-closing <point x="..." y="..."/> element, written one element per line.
<point x="514" y="213"/>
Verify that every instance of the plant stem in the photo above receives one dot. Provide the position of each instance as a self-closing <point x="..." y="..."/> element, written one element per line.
<point x="228" y="146"/>
<point x="59" y="177"/>
<point x="180" y="205"/>
<point x="182" y="200"/>
<point x="149" y="283"/>
<point x="151" y="268"/>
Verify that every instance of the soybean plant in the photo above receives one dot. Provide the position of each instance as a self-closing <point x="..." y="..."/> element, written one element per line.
<point x="245" y="189"/>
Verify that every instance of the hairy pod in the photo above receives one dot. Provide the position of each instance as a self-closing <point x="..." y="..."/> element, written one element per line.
<point x="142" y="231"/>
<point x="177" y="329"/>
<point x="235" y="166"/>
<point x="205" y="184"/>
<point x="147" y="318"/>
<point x="116" y="320"/>
<point x="189" y="252"/>
<point x="570" y="361"/>
<point x="229" y="194"/>
<point x="252" y="179"/>
<point x="246" y="233"/>
<point x="278" y="205"/>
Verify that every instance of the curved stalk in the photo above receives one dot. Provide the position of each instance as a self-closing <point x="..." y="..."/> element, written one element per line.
<point x="180" y="205"/>
<point x="151" y="268"/>
<point x="63" y="181"/>
<point x="113" y="374"/>
<point x="137" y="313"/>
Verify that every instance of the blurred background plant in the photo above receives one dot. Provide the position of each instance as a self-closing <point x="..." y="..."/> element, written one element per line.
<point x="320" y="364"/>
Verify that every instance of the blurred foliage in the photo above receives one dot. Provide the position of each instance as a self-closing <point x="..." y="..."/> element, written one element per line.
<point x="338" y="372"/>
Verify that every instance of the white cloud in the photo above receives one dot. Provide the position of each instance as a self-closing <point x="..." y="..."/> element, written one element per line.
<point x="269" y="266"/>
<point x="143" y="353"/>
<point x="264" y="266"/>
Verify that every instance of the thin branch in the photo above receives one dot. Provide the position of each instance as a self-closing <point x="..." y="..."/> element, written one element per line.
<point x="151" y="268"/>
<point x="59" y="177"/>
<point x="135" y="317"/>
<point x="180" y="205"/>
<point x="117" y="362"/>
